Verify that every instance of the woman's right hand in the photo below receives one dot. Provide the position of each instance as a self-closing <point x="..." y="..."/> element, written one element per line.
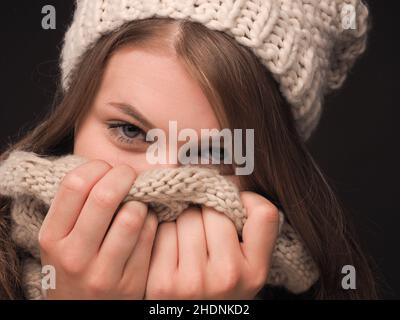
<point x="94" y="255"/>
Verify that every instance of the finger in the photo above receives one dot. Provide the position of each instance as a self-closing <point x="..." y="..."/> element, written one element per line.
<point x="139" y="260"/>
<point x="165" y="249"/>
<point x="100" y="207"/>
<point x="70" y="198"/>
<point x="122" y="237"/>
<point x="192" y="247"/>
<point x="221" y="235"/>
<point x="260" y="230"/>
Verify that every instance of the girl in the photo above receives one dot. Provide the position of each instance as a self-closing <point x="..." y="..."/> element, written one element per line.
<point x="130" y="66"/>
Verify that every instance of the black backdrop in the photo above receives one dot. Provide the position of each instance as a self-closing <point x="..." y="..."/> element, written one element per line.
<point x="356" y="143"/>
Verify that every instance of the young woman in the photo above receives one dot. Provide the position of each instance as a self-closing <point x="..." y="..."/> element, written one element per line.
<point x="149" y="69"/>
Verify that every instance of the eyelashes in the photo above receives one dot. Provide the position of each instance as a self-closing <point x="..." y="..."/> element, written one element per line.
<point x="131" y="136"/>
<point x="127" y="133"/>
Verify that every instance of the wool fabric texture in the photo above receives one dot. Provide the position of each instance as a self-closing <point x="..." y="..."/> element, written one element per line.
<point x="31" y="181"/>
<point x="307" y="45"/>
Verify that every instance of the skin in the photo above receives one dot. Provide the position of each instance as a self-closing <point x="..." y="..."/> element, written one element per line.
<point x="198" y="256"/>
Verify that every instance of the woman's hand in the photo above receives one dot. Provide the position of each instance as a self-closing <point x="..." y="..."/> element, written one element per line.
<point x="200" y="257"/>
<point x="96" y="256"/>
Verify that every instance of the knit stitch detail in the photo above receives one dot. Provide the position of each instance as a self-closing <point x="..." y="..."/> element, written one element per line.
<point x="31" y="181"/>
<point x="303" y="43"/>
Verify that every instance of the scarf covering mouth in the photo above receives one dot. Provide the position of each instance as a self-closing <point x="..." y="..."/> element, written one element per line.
<point x="32" y="181"/>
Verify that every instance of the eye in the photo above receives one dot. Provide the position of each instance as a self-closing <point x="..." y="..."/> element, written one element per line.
<point x="130" y="131"/>
<point x="127" y="133"/>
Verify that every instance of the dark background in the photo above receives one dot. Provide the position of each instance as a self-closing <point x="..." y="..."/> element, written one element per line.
<point x="356" y="143"/>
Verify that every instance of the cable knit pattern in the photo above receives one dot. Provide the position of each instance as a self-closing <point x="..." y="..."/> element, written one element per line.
<point x="302" y="42"/>
<point x="31" y="181"/>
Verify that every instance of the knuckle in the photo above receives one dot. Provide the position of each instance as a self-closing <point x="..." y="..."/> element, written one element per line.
<point x="105" y="197"/>
<point x="45" y="242"/>
<point x="98" y="284"/>
<point x="261" y="205"/>
<point x="230" y="277"/>
<point x="269" y="212"/>
<point x="193" y="287"/>
<point x="136" y="207"/>
<point x="130" y="220"/>
<point x="127" y="290"/>
<point x="190" y="291"/>
<point x="128" y="285"/>
<point x="74" y="182"/>
<point x="161" y="289"/>
<point x="71" y="265"/>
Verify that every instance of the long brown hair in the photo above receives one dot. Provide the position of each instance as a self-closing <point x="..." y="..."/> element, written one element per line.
<point x="243" y="95"/>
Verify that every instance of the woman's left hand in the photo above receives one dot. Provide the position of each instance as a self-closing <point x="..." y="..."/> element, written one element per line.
<point x="199" y="256"/>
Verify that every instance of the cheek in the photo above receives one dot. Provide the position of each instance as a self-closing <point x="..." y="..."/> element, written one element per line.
<point x="92" y="142"/>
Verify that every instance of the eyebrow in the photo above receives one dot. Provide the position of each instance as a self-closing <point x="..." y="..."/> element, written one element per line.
<point x="133" y="113"/>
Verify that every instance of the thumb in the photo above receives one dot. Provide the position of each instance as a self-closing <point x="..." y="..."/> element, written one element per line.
<point x="260" y="230"/>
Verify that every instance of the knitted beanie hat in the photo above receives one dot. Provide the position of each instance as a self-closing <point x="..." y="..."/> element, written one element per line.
<point x="307" y="45"/>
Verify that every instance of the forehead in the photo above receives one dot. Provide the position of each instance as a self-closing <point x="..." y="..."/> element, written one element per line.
<point x="159" y="86"/>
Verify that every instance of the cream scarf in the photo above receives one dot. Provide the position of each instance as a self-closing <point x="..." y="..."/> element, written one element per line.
<point x="31" y="181"/>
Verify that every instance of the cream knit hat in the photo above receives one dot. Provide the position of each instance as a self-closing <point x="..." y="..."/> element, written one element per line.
<point x="307" y="45"/>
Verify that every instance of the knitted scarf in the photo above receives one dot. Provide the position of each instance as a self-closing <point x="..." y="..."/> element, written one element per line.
<point x="31" y="182"/>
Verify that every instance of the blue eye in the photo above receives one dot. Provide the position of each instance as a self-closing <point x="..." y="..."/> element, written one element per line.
<point x="127" y="133"/>
<point x="130" y="131"/>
